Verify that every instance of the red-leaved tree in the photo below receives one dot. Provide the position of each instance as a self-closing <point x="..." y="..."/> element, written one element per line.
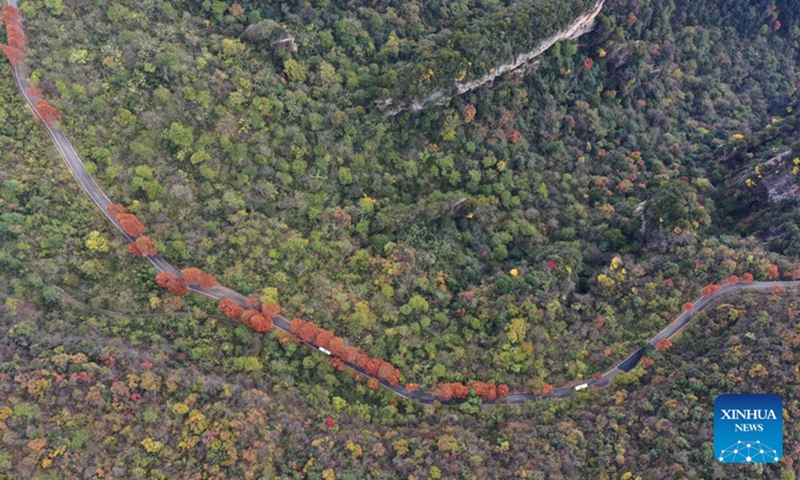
<point x="33" y="92"/>
<point x="444" y="391"/>
<point x="16" y="37"/>
<point x="12" y="15"/>
<point x="270" y="309"/>
<point x="663" y="344"/>
<point x="502" y="390"/>
<point x="373" y="383"/>
<point x="336" y="347"/>
<point x="115" y="209"/>
<point x="207" y="281"/>
<point x="134" y="249"/>
<point x="351" y="354"/>
<point x="447" y="391"/>
<point x="230" y="308"/>
<point x="15" y="55"/>
<point x="308" y="333"/>
<point x="732" y="280"/>
<point x="256" y="321"/>
<point x="773" y="272"/>
<point x="130" y="224"/>
<point x="687" y="306"/>
<point x="163" y="279"/>
<point x="546" y="388"/>
<point x="388" y="373"/>
<point x="146" y="245"/>
<point x="412" y="387"/>
<point x="373" y="365"/>
<point x="191" y="275"/>
<point x="171" y="282"/>
<point x="710" y="289"/>
<point x="323" y="338"/>
<point x="252" y="302"/>
<point x="747" y="277"/>
<point x="485" y="390"/>
<point x="48" y="112"/>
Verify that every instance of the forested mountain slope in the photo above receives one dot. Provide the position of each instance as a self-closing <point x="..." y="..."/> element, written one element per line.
<point x="474" y="240"/>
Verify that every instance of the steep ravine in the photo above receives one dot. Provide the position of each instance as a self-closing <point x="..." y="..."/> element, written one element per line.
<point x="581" y="25"/>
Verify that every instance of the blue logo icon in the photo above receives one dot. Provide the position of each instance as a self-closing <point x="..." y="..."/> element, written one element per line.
<point x="748" y="428"/>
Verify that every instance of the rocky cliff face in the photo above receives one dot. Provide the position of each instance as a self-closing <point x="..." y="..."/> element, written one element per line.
<point x="581" y="25"/>
<point x="782" y="184"/>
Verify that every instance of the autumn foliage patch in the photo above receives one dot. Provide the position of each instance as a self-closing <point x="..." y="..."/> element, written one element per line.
<point x="256" y="320"/>
<point x="15" y="55"/>
<point x="130" y="224"/>
<point x="191" y="275"/>
<point x="48" y="112"/>
<point x="710" y="289"/>
<point x="663" y="344"/>
<point x="33" y="91"/>
<point x="208" y="281"/>
<point x="230" y="308"/>
<point x="16" y="37"/>
<point x="115" y="209"/>
<point x="171" y="282"/>
<point x="146" y="245"/>
<point x="12" y="15"/>
<point x="134" y="249"/>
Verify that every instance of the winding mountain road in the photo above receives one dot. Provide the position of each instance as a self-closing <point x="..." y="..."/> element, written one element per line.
<point x="93" y="190"/>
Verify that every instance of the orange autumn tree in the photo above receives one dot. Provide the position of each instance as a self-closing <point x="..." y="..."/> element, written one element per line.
<point x="207" y="281"/>
<point x="546" y="388"/>
<point x="48" y="112"/>
<point x="487" y="391"/>
<point x="270" y="309"/>
<point x="448" y="391"/>
<point x="336" y="347"/>
<point x="115" y="209"/>
<point x="33" y="91"/>
<point x="171" y="282"/>
<point x="732" y="280"/>
<point x="663" y="344"/>
<point x="747" y="277"/>
<point x="444" y="391"/>
<point x="15" y="55"/>
<point x="502" y="390"/>
<point x="191" y="275"/>
<point x="323" y="338"/>
<point x="305" y="331"/>
<point x="373" y="365"/>
<point x="130" y="224"/>
<point x="773" y="272"/>
<point x="687" y="306"/>
<point x="16" y="37"/>
<point x="710" y="289"/>
<point x="146" y="245"/>
<point x="163" y="278"/>
<point x="134" y="249"/>
<point x="469" y="112"/>
<point x="256" y="321"/>
<point x="230" y="308"/>
<point x="12" y="15"/>
<point x="389" y="374"/>
<point x="351" y="354"/>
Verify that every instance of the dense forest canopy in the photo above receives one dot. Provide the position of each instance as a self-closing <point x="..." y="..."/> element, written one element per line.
<point x="531" y="232"/>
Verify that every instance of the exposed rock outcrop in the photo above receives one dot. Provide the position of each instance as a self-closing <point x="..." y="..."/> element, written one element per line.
<point x="581" y="25"/>
<point x="782" y="184"/>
